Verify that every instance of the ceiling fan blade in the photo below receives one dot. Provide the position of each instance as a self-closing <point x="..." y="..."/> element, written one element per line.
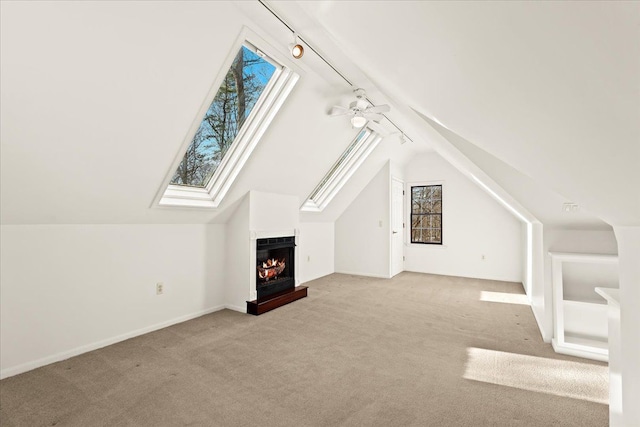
<point x="376" y="117"/>
<point x="337" y="110"/>
<point x="378" y="109"/>
<point x="378" y="128"/>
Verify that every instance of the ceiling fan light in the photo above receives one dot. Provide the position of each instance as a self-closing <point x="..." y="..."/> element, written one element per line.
<point x="358" y="121"/>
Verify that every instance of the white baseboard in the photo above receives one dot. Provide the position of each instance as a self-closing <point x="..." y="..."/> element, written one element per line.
<point x="456" y="274"/>
<point x="355" y="273"/>
<point x="15" y="370"/>
<point x="581" y="350"/>
<point x="236" y="308"/>
<point x="314" y="278"/>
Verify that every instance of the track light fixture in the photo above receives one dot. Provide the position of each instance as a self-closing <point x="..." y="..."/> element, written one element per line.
<point x="296" y="48"/>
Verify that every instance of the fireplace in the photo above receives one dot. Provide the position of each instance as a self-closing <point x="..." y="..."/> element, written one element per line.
<point x="275" y="275"/>
<point x="275" y="269"/>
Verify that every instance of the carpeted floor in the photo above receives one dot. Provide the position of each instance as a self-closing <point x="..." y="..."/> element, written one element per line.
<point x="416" y="350"/>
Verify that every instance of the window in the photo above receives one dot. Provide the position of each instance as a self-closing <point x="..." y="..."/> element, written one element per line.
<point x="342" y="169"/>
<point x="242" y="86"/>
<point x="426" y="214"/>
<point x="245" y="101"/>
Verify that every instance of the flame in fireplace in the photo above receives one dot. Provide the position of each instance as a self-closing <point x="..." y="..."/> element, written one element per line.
<point x="271" y="268"/>
<point x="270" y="263"/>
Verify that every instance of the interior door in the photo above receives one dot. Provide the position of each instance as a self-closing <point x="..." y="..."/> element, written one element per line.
<point x="397" y="219"/>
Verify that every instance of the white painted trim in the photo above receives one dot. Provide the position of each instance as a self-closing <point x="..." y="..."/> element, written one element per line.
<point x="494" y="278"/>
<point x="403" y="218"/>
<point x="557" y="293"/>
<point x="15" y="370"/>
<point x="559" y="342"/>
<point x="612" y="296"/>
<point x="378" y="276"/>
<point x="236" y="308"/>
<point x="580" y="257"/>
<point x="579" y="350"/>
<point x="315" y="278"/>
<point x="543" y="332"/>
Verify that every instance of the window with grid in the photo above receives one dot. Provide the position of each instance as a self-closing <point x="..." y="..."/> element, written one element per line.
<point x="426" y="214"/>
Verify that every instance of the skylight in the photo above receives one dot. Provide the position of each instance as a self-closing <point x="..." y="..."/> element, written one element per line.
<point x="242" y="86"/>
<point x="341" y="171"/>
<point x="238" y="112"/>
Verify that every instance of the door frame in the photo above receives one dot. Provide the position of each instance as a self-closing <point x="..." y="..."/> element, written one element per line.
<point x="392" y="252"/>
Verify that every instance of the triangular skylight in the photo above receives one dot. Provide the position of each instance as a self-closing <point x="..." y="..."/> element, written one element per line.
<point x="245" y="100"/>
<point x="364" y="143"/>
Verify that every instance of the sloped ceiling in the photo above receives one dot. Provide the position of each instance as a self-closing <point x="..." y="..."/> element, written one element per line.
<point x="551" y="89"/>
<point x="543" y="203"/>
<point x="97" y="98"/>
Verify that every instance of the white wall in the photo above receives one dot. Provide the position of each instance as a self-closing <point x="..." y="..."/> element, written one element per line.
<point x="68" y="289"/>
<point x="273" y="212"/>
<point x="582" y="241"/>
<point x="474" y="224"/>
<point x="362" y="232"/>
<point x="238" y="268"/>
<point x="579" y="280"/>
<point x="316" y="250"/>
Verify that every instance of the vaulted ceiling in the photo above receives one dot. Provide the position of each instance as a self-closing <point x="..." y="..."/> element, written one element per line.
<point x="97" y="97"/>
<point x="551" y="89"/>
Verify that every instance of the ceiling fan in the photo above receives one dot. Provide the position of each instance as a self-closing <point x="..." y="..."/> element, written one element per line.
<point x="360" y="110"/>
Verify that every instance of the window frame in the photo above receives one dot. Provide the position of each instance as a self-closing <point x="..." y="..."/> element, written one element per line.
<point x="267" y="106"/>
<point x="411" y="186"/>
<point x="347" y="164"/>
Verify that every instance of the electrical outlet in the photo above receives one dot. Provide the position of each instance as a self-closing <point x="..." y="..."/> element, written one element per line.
<point x="159" y="288"/>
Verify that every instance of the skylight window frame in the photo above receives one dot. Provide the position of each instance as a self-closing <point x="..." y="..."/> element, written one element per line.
<point x="265" y="109"/>
<point x="342" y="170"/>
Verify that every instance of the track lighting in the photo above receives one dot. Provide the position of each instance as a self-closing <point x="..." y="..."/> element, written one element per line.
<point x="296" y="48"/>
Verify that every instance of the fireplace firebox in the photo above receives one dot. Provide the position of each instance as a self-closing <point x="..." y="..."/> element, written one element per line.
<point x="275" y="271"/>
<point x="275" y="275"/>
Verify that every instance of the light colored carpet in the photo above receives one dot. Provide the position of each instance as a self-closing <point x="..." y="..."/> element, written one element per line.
<point x="416" y="350"/>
